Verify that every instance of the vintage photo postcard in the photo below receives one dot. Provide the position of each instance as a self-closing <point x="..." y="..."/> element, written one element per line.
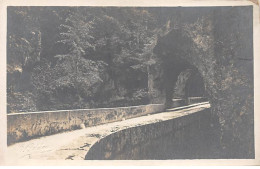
<point x="129" y="82"/>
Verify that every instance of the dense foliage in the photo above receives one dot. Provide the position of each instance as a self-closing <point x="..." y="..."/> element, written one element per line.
<point x="78" y="57"/>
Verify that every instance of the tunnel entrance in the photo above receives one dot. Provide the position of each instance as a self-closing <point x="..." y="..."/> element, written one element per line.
<point x="200" y="46"/>
<point x="188" y="89"/>
<point x="184" y="84"/>
<point x="182" y="79"/>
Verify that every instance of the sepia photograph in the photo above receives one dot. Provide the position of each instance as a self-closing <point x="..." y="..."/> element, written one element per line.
<point x="136" y="82"/>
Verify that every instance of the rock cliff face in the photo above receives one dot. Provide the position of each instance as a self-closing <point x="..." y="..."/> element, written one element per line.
<point x="219" y="47"/>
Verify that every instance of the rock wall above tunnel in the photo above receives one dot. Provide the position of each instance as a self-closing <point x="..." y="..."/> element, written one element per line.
<point x="218" y="43"/>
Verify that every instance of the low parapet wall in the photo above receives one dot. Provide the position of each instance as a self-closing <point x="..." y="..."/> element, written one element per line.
<point x="187" y="137"/>
<point x="23" y="126"/>
<point x="192" y="100"/>
<point x="177" y="102"/>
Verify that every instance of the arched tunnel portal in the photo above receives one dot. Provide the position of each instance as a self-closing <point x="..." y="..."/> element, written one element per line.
<point x="214" y="76"/>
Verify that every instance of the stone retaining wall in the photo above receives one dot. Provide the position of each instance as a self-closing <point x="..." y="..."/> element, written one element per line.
<point x="23" y="126"/>
<point x="186" y="137"/>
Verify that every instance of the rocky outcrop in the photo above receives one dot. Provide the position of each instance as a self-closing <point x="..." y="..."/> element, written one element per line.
<point x="219" y="46"/>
